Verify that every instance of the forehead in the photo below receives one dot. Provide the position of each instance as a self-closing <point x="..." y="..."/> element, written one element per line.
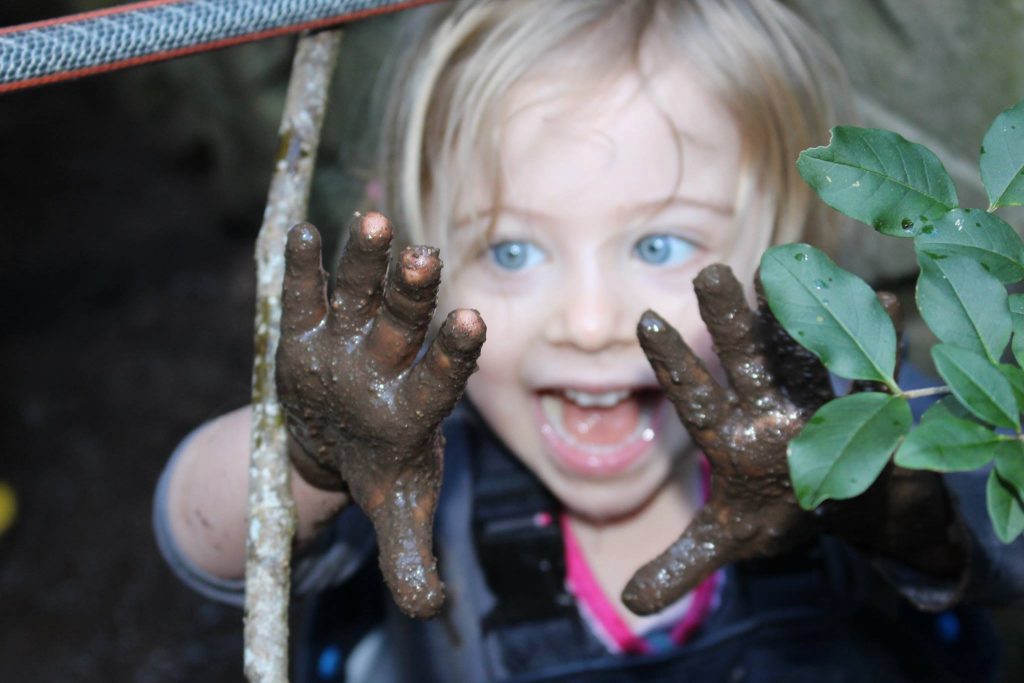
<point x="629" y="140"/>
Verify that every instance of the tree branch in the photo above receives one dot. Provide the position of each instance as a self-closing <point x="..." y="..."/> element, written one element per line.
<point x="271" y="516"/>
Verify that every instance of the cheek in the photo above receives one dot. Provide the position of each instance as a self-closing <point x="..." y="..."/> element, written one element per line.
<point x="514" y="326"/>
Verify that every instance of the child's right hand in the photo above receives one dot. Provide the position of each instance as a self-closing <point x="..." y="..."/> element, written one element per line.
<point x="361" y="416"/>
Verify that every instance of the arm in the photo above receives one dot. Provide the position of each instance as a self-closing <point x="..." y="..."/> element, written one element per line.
<point x="208" y="490"/>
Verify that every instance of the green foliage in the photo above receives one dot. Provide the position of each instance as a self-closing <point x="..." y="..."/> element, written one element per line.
<point x="1004" y="508"/>
<point x="881" y="179"/>
<point x="979" y="236"/>
<point x="962" y="304"/>
<point x="977" y="384"/>
<point x="1015" y="376"/>
<point x="845" y="446"/>
<point x="1010" y="465"/>
<point x="1016" y="304"/>
<point x="831" y="312"/>
<point x="948" y="445"/>
<point x="967" y="258"/>
<point x="1002" y="159"/>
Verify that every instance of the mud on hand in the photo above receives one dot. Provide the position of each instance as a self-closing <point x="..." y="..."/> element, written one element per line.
<point x="362" y="416"/>
<point x="743" y="429"/>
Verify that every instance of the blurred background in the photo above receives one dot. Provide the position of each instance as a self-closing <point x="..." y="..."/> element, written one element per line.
<point x="129" y="207"/>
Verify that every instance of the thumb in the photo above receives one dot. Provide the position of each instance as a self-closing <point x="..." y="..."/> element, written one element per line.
<point x="697" y="554"/>
<point x="405" y="536"/>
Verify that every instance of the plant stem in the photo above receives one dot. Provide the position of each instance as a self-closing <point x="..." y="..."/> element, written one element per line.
<point x="928" y="391"/>
<point x="271" y="515"/>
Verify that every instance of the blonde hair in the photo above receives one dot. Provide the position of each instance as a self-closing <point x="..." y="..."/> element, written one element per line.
<point x="781" y="83"/>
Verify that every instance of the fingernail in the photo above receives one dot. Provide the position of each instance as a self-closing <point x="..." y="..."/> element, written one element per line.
<point x="651" y="323"/>
<point x="302" y="235"/>
<point x="374" y="229"/>
<point x="420" y="265"/>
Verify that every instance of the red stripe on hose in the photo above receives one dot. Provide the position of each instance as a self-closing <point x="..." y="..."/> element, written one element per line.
<point x="86" y="16"/>
<point x="204" y="47"/>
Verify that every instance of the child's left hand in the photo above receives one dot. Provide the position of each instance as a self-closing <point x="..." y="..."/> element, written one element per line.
<point x="775" y="387"/>
<point x="743" y="431"/>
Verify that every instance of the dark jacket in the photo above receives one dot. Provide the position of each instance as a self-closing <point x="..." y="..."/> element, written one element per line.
<point x="819" y="614"/>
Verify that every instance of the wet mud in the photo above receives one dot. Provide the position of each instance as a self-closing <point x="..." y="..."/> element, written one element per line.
<point x="362" y="416"/>
<point x="774" y="386"/>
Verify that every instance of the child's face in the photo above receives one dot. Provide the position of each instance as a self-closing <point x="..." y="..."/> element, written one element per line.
<point x="606" y="211"/>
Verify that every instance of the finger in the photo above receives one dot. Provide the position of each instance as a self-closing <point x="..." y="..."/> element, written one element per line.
<point x="404" y="525"/>
<point x="801" y="374"/>
<point x="361" y="270"/>
<point x="696" y="555"/>
<point x="892" y="307"/>
<point x="733" y="328"/>
<point x="409" y="298"/>
<point x="304" y="291"/>
<point x="701" y="403"/>
<point x="436" y="383"/>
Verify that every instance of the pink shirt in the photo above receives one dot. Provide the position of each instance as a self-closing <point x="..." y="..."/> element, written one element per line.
<point x="680" y="619"/>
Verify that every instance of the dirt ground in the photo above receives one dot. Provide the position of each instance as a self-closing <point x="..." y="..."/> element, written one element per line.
<point x="125" y="321"/>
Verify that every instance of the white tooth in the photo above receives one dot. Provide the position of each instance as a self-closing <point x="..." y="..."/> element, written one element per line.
<point x="586" y="399"/>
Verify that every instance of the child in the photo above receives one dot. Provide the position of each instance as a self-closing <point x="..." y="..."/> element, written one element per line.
<point x="577" y="163"/>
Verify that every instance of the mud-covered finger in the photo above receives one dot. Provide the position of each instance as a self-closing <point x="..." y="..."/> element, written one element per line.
<point x="436" y="383"/>
<point x="697" y="554"/>
<point x="735" y="331"/>
<point x="304" y="291"/>
<point x="408" y="304"/>
<point x="360" y="276"/>
<point x="701" y="402"/>
<point x="801" y="374"/>
<point x="404" y="525"/>
<point x="892" y="307"/>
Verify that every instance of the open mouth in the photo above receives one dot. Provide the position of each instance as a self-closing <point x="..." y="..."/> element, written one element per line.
<point x="599" y="433"/>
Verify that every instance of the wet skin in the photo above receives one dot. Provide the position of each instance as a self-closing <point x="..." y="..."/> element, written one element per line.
<point x="361" y="415"/>
<point x="364" y="418"/>
<point x="775" y="385"/>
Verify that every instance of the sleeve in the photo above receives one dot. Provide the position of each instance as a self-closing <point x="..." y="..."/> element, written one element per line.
<point x="330" y="559"/>
<point x="996" y="574"/>
<point x="995" y="571"/>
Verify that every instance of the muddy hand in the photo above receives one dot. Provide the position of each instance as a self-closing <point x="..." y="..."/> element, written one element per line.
<point x="362" y="416"/>
<point x="743" y="429"/>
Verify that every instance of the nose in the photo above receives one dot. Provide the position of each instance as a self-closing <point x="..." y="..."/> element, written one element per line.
<point x="590" y="312"/>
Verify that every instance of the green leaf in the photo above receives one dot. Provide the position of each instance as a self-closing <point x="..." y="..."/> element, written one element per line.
<point x="879" y="178"/>
<point x="845" y="446"/>
<point x="833" y="313"/>
<point x="1002" y="158"/>
<point x="1015" y="376"/>
<point x="947" y="407"/>
<point x="984" y="237"/>
<point x="963" y="304"/>
<point x="1016" y="304"/>
<point x="1010" y="464"/>
<point x="1004" y="508"/>
<point x="977" y="384"/>
<point x="948" y="445"/>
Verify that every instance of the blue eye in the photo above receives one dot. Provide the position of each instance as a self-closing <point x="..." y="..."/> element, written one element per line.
<point x="516" y="254"/>
<point x="664" y="250"/>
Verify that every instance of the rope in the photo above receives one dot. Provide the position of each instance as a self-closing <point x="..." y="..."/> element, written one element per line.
<point x="139" y="33"/>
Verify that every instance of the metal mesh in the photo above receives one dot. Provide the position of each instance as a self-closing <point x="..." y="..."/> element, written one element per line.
<point x="104" y="40"/>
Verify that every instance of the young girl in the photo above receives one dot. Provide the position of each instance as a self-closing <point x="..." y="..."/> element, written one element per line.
<point x="577" y="163"/>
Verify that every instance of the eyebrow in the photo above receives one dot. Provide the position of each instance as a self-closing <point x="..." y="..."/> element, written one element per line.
<point x="650" y="205"/>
